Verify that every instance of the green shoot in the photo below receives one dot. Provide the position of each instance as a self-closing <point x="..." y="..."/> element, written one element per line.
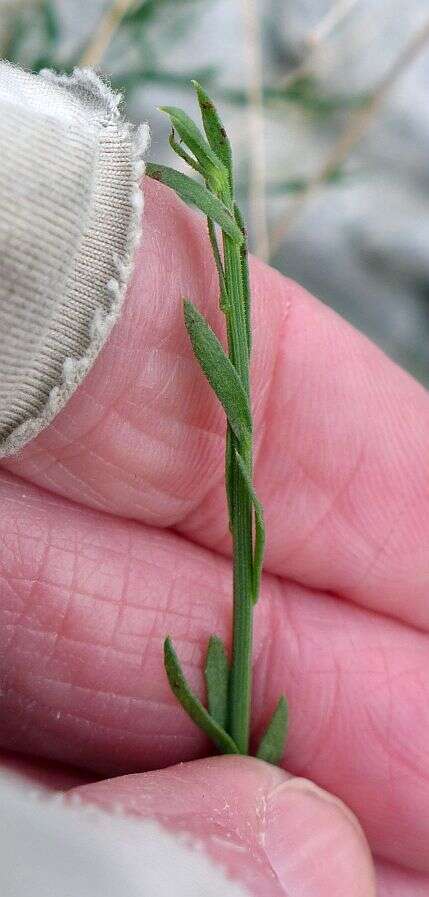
<point x="227" y="718"/>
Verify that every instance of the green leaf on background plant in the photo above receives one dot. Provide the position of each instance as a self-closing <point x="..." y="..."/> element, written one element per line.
<point x="214" y="170"/>
<point x="192" y="705"/>
<point x="272" y="744"/>
<point x="195" y="194"/>
<point x="137" y="77"/>
<point x="304" y="92"/>
<point x="291" y="186"/>
<point x="50" y="22"/>
<point x="128" y="81"/>
<point x="141" y="12"/>
<point x="215" y="131"/>
<point x="44" y="62"/>
<point x="336" y="174"/>
<point x="259" y="533"/>
<point x="216" y="674"/>
<point x="220" y="372"/>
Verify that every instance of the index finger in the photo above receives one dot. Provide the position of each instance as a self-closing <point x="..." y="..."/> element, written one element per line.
<point x="342" y="434"/>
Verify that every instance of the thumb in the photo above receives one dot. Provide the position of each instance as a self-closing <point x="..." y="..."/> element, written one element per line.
<point x="272" y="833"/>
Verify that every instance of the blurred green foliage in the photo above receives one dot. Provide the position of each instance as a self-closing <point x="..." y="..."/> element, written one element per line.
<point x="34" y="39"/>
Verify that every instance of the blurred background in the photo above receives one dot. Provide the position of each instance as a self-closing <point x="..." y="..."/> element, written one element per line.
<point x="327" y="105"/>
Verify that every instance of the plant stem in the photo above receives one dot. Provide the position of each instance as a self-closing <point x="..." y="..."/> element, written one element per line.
<point x="241" y="516"/>
<point x="241" y="669"/>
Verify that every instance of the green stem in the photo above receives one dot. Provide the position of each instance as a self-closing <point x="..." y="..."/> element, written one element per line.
<point x="241" y="522"/>
<point x="241" y="669"/>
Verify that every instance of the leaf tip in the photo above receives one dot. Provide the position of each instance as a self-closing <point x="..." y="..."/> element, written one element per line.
<point x="198" y="88"/>
<point x="203" y="98"/>
<point x="272" y="744"/>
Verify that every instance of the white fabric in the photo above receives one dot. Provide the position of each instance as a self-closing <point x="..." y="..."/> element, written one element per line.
<point x="49" y="849"/>
<point x="70" y="212"/>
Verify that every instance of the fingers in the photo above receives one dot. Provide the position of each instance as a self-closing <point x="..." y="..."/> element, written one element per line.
<point x="343" y="434"/>
<point x="392" y="881"/>
<point x="274" y="834"/>
<point x="86" y="601"/>
<point x="47" y="774"/>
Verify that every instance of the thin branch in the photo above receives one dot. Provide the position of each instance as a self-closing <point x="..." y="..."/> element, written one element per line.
<point x="95" y="50"/>
<point x="317" y="36"/>
<point x="355" y="130"/>
<point x="257" y="161"/>
<point x="329" y="22"/>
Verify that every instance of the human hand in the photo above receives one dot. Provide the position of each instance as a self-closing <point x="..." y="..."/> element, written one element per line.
<point x="114" y="533"/>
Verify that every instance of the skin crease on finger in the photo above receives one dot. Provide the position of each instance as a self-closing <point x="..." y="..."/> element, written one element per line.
<point x="395" y="882"/>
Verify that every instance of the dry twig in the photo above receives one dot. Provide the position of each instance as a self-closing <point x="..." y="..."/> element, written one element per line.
<point x="316" y="37"/>
<point x="355" y="130"/>
<point x="99" y="43"/>
<point x="329" y="22"/>
<point x="257" y="161"/>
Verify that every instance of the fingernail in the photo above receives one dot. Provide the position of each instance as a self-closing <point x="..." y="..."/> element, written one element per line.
<point x="315" y="845"/>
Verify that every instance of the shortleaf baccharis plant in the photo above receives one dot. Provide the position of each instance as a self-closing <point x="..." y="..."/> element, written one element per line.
<point x="227" y="718"/>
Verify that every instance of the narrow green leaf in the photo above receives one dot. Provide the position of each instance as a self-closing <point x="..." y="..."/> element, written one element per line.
<point x="216" y="674"/>
<point x="136" y="77"/>
<point x="304" y="95"/>
<point x="214" y="170"/>
<point x="215" y="131"/>
<point x="140" y="12"/>
<point x="180" y="151"/>
<point x="259" y="535"/>
<point x="272" y="743"/>
<point x="192" y="705"/>
<point x="245" y="283"/>
<point x="220" y="372"/>
<point x="219" y="265"/>
<point x="195" y="194"/>
<point x="143" y="10"/>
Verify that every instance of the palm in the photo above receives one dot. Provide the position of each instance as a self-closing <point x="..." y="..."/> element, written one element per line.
<point x="129" y="543"/>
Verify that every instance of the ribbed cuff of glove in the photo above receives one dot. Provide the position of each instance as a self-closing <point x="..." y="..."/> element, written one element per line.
<point x="70" y="213"/>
